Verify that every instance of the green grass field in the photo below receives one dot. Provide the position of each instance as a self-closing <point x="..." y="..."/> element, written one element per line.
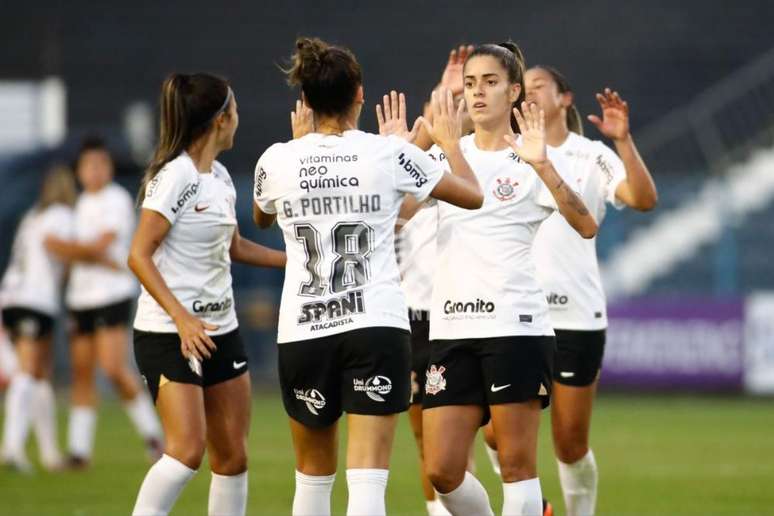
<point x="657" y="455"/>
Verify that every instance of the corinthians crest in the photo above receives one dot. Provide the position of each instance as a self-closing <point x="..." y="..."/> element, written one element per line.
<point x="505" y="190"/>
<point x="435" y="381"/>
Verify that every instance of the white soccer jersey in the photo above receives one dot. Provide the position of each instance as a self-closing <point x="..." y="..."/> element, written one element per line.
<point x="91" y="285"/>
<point x="416" y="257"/>
<point x="34" y="276"/>
<point x="485" y="283"/>
<point x="566" y="263"/>
<point x="194" y="258"/>
<point x="337" y="199"/>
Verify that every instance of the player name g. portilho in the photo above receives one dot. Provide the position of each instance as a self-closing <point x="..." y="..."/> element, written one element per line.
<point x="332" y="205"/>
<point x="477" y="309"/>
<point x="333" y="312"/>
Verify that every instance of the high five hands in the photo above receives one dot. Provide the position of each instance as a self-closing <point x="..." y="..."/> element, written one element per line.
<point x="532" y="125"/>
<point x="446" y="126"/>
<point x="614" y="123"/>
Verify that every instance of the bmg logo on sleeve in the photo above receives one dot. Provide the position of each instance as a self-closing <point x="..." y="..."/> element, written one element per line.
<point x="416" y="173"/>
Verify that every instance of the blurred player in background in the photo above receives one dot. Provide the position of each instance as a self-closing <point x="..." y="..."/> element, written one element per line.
<point x="99" y="297"/>
<point x="568" y="270"/>
<point x="186" y="334"/>
<point x="30" y="297"/>
<point x="492" y="341"/>
<point x="343" y="331"/>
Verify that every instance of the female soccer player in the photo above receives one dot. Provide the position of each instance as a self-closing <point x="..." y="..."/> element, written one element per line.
<point x="492" y="341"/>
<point x="343" y="331"/>
<point x="186" y="337"/>
<point x="30" y="293"/>
<point x="567" y="267"/>
<point x="99" y="297"/>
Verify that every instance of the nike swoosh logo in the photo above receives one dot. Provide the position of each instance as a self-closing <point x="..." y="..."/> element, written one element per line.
<point x="201" y="207"/>
<point x="499" y="388"/>
<point x="566" y="374"/>
<point x="239" y="365"/>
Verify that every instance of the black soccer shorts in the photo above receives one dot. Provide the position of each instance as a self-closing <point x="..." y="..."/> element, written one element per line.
<point x="92" y="319"/>
<point x="160" y="360"/>
<point x="489" y="371"/>
<point x="26" y="322"/>
<point x="364" y="371"/>
<point x="578" y="357"/>
<point x="420" y="352"/>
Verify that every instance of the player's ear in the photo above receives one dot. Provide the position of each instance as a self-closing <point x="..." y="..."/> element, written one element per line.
<point x="360" y="95"/>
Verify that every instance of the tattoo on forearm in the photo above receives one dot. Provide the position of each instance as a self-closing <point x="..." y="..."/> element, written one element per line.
<point x="574" y="201"/>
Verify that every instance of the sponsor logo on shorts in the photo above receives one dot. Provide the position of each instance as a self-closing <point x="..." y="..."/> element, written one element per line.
<point x="566" y="374"/>
<point x="414" y="171"/>
<point x="334" y="312"/>
<point x="435" y="382"/>
<point x="312" y="397"/>
<point x="499" y="388"/>
<point x="375" y="387"/>
<point x="542" y="391"/>
<point x="476" y="309"/>
<point x="239" y="365"/>
<point x="188" y="193"/>
<point x="201" y="307"/>
<point x="505" y="189"/>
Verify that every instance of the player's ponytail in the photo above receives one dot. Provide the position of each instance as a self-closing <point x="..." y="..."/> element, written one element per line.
<point x="328" y="75"/>
<point x="574" y="120"/>
<point x="189" y="105"/>
<point x="512" y="59"/>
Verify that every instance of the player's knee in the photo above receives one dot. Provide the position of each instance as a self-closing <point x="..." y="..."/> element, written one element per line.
<point x="570" y="450"/>
<point x="232" y="464"/>
<point x="517" y="472"/>
<point x="443" y="480"/>
<point x="189" y="453"/>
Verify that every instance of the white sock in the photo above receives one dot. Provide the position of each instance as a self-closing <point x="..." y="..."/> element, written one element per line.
<point x="143" y="416"/>
<point x="436" y="508"/>
<point x="80" y="431"/>
<point x="579" y="485"/>
<point x="161" y="487"/>
<point x="44" y="424"/>
<point x="313" y="495"/>
<point x="9" y="363"/>
<point x="493" y="458"/>
<point x="522" y="498"/>
<point x="228" y="495"/>
<point x="17" y="415"/>
<point x="366" y="492"/>
<point x="469" y="498"/>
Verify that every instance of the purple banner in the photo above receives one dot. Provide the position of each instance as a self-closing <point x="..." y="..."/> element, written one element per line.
<point x="686" y="343"/>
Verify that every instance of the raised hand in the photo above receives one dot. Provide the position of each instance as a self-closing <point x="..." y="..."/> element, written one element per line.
<point x="615" y="116"/>
<point x="532" y="126"/>
<point x="301" y="120"/>
<point x="452" y="74"/>
<point x="392" y="117"/>
<point x="446" y="129"/>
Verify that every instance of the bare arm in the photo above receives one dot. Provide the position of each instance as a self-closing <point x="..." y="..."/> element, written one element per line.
<point x="246" y="251"/>
<point x="72" y="251"/>
<point x="262" y="219"/>
<point x="150" y="233"/>
<point x="638" y="190"/>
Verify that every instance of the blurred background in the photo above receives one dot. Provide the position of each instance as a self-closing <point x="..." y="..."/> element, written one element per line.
<point x="691" y="284"/>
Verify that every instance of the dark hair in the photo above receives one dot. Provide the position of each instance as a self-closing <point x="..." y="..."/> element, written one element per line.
<point x="189" y="106"/>
<point x="511" y="58"/>
<point x="574" y="121"/>
<point x="328" y="75"/>
<point x="91" y="143"/>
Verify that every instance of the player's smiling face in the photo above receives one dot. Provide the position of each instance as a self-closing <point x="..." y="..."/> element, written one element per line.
<point x="541" y="89"/>
<point x="489" y="95"/>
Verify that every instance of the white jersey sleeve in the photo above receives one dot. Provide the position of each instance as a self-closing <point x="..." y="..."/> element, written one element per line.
<point x="263" y="193"/>
<point x="564" y="169"/>
<point x="613" y="172"/>
<point x="416" y="173"/>
<point x="58" y="221"/>
<point x="172" y="189"/>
